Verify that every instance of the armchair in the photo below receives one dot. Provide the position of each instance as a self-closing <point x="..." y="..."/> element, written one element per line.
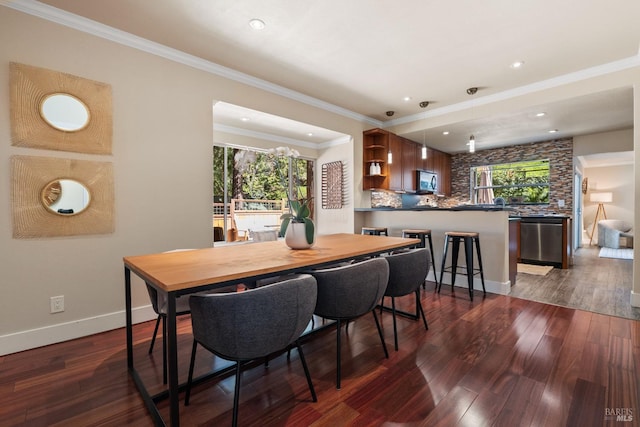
<point x="611" y="230"/>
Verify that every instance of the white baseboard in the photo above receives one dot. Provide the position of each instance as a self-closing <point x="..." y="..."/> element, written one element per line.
<point x="635" y="299"/>
<point x="490" y="285"/>
<point x="27" y="340"/>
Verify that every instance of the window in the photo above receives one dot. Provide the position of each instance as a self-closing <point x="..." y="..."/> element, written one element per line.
<point x="517" y="183"/>
<point x="248" y="180"/>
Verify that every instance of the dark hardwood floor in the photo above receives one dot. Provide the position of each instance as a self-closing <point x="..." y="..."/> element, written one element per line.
<point x="602" y="285"/>
<point x="496" y="361"/>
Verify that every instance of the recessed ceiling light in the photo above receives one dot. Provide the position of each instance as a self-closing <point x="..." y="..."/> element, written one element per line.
<point x="406" y="99"/>
<point x="553" y="131"/>
<point x="245" y="119"/>
<point x="446" y="132"/>
<point x="309" y="133"/>
<point x="517" y="64"/>
<point x="541" y="114"/>
<point x="257" y="24"/>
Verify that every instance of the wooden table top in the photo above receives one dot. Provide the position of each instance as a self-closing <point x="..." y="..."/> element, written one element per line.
<point x="174" y="271"/>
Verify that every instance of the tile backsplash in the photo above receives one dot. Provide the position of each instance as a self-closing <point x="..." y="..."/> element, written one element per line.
<point x="391" y="199"/>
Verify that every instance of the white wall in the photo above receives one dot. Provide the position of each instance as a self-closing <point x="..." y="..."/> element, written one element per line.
<point x="337" y="220"/>
<point x="162" y="139"/>
<point x="603" y="142"/>
<point x="617" y="180"/>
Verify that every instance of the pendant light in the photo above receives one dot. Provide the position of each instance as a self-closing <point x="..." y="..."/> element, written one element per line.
<point x="472" y="144"/>
<point x="389" y="157"/>
<point x="424" y="147"/>
<point x="472" y="139"/>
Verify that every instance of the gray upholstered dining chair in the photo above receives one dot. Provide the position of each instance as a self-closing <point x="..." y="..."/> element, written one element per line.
<point x="159" y="305"/>
<point x="348" y="292"/>
<point x="254" y="324"/>
<point x="407" y="272"/>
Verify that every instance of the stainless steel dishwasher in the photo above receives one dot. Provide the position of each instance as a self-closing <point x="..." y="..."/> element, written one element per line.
<point x="541" y="240"/>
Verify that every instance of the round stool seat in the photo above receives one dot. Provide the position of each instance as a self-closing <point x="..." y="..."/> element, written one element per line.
<point x="414" y="231"/>
<point x="461" y="234"/>
<point x="376" y="231"/>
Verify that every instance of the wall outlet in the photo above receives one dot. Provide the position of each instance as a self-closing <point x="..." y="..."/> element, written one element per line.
<point x="57" y="304"/>
<point x="561" y="203"/>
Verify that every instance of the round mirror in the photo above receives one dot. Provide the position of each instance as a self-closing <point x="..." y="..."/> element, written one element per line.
<point x="64" y="112"/>
<point x="65" y="197"/>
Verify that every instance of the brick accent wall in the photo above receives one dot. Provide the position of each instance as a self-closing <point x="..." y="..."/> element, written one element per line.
<point x="560" y="155"/>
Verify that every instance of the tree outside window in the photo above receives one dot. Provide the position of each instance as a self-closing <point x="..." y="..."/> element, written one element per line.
<point x="517" y="182"/>
<point x="258" y="176"/>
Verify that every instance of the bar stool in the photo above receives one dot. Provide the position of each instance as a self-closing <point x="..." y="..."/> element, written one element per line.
<point x="468" y="238"/>
<point x="375" y="231"/>
<point x="423" y="235"/>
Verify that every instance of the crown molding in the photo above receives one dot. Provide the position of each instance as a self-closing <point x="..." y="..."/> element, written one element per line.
<point x="280" y="139"/>
<point x="50" y="13"/>
<point x="263" y="135"/>
<point x="335" y="142"/>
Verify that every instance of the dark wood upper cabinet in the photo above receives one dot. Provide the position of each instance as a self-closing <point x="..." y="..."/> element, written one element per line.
<point x="409" y="165"/>
<point x="399" y="175"/>
<point x="375" y="147"/>
<point x="395" y="167"/>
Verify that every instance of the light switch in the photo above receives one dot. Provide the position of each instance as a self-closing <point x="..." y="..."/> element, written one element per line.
<point x="561" y="203"/>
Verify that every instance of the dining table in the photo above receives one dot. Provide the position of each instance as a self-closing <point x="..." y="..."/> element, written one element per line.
<point x="175" y="274"/>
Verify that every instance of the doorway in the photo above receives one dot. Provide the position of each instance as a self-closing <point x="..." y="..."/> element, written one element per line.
<point x="579" y="189"/>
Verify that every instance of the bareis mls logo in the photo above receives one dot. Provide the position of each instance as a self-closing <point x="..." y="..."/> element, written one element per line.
<point x="619" y="414"/>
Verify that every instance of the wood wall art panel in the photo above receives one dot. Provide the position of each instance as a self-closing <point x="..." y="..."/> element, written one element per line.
<point x="30" y="86"/>
<point x="332" y="185"/>
<point x="32" y="219"/>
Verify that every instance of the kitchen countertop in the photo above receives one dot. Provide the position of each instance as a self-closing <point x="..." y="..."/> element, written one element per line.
<point x="541" y="216"/>
<point x="488" y="208"/>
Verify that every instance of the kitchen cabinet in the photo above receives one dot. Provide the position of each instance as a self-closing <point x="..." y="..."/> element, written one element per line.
<point x="402" y="170"/>
<point x="437" y="162"/>
<point x="399" y="175"/>
<point x="375" y="146"/>
<point x="395" y="167"/>
<point x="442" y="166"/>
<point x="410" y="153"/>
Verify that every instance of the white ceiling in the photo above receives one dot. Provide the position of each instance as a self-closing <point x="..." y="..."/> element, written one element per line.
<point x="361" y="57"/>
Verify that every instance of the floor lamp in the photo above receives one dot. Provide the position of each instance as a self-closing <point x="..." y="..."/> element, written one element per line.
<point x="600" y="199"/>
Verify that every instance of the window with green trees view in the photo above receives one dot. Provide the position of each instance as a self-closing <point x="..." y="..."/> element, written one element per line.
<point x="260" y="175"/>
<point x="516" y="183"/>
<point x="257" y="180"/>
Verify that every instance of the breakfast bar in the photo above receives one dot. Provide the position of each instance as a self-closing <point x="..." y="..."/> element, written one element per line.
<point x="496" y="228"/>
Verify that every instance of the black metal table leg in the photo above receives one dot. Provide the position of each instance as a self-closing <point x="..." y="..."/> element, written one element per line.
<point x="172" y="359"/>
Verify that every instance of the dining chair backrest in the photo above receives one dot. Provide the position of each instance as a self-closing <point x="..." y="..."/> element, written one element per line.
<point x="407" y="271"/>
<point x="264" y="235"/>
<point x="352" y="290"/>
<point x="255" y="323"/>
<point x="159" y="300"/>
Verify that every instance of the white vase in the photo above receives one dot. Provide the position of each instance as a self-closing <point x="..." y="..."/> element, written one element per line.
<point x="296" y="237"/>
